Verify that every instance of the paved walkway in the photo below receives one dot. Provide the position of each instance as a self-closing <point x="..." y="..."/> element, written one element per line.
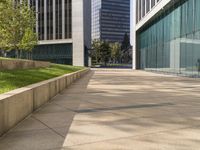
<point x="115" y="110"/>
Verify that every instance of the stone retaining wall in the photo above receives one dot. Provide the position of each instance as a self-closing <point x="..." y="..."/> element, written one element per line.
<point x="20" y="103"/>
<point x="22" y="64"/>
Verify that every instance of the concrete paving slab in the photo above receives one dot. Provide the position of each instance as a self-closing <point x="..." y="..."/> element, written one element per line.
<point x="183" y="139"/>
<point x="112" y="109"/>
<point x="29" y="124"/>
<point x="84" y="132"/>
<point x="34" y="140"/>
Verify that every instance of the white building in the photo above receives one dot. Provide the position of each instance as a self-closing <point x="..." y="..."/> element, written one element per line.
<point x="63" y="28"/>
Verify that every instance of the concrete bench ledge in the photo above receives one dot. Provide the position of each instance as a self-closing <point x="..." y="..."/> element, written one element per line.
<point x="16" y="105"/>
<point x="22" y="64"/>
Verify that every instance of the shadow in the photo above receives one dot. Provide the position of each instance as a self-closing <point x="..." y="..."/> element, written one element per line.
<point x="156" y="110"/>
<point x="124" y="107"/>
<point x="48" y="126"/>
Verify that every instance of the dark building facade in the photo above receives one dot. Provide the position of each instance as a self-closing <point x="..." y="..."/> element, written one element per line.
<point x="110" y="19"/>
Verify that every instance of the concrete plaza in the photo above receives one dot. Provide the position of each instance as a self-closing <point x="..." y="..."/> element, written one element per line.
<point x="115" y="110"/>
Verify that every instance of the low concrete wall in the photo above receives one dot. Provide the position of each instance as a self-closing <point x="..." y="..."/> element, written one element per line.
<point x="18" y="104"/>
<point x="22" y="64"/>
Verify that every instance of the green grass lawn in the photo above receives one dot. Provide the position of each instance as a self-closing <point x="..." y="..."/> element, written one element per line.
<point x="4" y="58"/>
<point x="7" y="58"/>
<point x="10" y="80"/>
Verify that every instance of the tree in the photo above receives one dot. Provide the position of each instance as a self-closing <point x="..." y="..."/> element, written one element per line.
<point x="28" y="42"/>
<point x="126" y="42"/>
<point x="115" y="51"/>
<point x="95" y="53"/>
<point x="29" y="37"/>
<point x="125" y="50"/>
<point x="6" y="20"/>
<point x="101" y="51"/>
<point x="105" y="52"/>
<point x="17" y="26"/>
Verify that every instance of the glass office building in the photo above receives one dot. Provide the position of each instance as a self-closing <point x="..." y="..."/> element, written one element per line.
<point x="96" y="8"/>
<point x="54" y="21"/>
<point x="110" y="19"/>
<point x="169" y="40"/>
<point x="63" y="29"/>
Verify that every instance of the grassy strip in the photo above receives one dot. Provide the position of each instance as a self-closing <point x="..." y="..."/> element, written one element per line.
<point x="7" y="58"/>
<point x="4" y="58"/>
<point x="10" y="80"/>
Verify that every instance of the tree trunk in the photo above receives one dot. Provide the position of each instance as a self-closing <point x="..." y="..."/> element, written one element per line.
<point x="17" y="53"/>
<point x="21" y="54"/>
<point x="27" y="55"/>
<point x="30" y="55"/>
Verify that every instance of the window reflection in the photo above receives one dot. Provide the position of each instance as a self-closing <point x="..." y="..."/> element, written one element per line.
<point x="172" y="42"/>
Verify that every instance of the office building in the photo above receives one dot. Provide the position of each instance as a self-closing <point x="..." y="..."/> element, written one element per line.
<point x="110" y="19"/>
<point x="64" y="30"/>
<point x="167" y="36"/>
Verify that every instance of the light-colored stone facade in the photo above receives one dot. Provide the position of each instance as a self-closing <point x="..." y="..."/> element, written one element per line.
<point x="73" y="22"/>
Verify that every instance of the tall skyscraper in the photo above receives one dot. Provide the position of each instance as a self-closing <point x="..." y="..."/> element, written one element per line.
<point x="167" y="36"/>
<point x="110" y="19"/>
<point x="64" y="30"/>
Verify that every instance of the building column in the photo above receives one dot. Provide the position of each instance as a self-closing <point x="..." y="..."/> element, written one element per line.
<point x="175" y="55"/>
<point x="63" y="19"/>
<point x="141" y="8"/>
<point x="150" y="5"/>
<point x="68" y="19"/>
<point x="133" y="7"/>
<point x="45" y="19"/>
<point x="78" y="32"/>
<point x="37" y="10"/>
<point x="54" y="19"/>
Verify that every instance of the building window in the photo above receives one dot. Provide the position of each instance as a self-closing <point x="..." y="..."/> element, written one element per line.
<point x="140" y="10"/>
<point x="68" y="19"/>
<point x="143" y="8"/>
<point x="41" y="19"/>
<point x="147" y="6"/>
<point x="152" y="3"/>
<point x="50" y="20"/>
<point x="59" y="19"/>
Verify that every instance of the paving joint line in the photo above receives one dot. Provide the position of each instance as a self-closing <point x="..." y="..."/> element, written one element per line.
<point x="48" y="126"/>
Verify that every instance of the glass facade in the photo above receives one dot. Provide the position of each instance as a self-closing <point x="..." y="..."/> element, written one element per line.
<point x="55" y="53"/>
<point x="110" y="19"/>
<point x="96" y="9"/>
<point x="171" y="42"/>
